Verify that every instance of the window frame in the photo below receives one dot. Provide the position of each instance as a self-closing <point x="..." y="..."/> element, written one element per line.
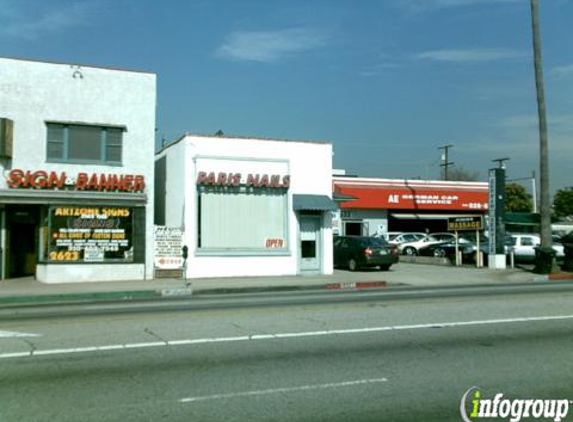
<point x="204" y="251"/>
<point x="105" y="143"/>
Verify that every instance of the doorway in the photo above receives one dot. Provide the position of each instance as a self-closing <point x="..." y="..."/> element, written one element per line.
<point x="22" y="223"/>
<point x="355" y="228"/>
<point x="310" y="245"/>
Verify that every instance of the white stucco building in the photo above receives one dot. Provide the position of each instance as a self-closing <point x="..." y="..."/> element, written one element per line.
<point x="76" y="154"/>
<point x="248" y="207"/>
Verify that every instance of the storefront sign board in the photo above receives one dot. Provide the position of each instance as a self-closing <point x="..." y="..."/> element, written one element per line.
<point x="168" y="247"/>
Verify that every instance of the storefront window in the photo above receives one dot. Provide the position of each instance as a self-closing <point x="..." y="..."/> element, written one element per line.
<point x="248" y="219"/>
<point x="90" y="234"/>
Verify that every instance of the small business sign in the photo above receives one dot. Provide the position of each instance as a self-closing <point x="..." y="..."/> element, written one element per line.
<point x="40" y="179"/>
<point x="496" y="207"/>
<point x="90" y="234"/>
<point x="274" y="243"/>
<point x="168" y="247"/>
<point x="232" y="179"/>
<point x="93" y="254"/>
<point x="465" y="223"/>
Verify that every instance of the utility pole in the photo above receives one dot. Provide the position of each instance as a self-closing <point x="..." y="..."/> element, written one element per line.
<point x="501" y="162"/>
<point x="544" y="256"/>
<point x="445" y="159"/>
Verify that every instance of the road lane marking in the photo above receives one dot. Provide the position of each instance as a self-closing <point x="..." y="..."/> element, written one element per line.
<point x="283" y="390"/>
<point x="16" y="334"/>
<point x="260" y="337"/>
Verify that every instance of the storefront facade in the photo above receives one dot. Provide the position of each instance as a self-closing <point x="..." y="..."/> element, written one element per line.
<point x="377" y="206"/>
<point x="76" y="147"/>
<point x="248" y="207"/>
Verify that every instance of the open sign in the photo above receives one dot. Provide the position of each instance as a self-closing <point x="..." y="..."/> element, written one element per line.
<point x="274" y="243"/>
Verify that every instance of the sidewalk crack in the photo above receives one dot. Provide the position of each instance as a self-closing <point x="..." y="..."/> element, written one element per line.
<point x="31" y="345"/>
<point x="154" y="335"/>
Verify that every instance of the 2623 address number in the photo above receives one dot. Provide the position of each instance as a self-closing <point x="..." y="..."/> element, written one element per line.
<point x="64" y="256"/>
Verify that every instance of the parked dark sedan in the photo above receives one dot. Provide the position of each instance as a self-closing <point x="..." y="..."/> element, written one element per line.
<point x="356" y="252"/>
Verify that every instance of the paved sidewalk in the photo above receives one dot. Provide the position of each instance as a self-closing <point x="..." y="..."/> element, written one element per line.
<point x="23" y="291"/>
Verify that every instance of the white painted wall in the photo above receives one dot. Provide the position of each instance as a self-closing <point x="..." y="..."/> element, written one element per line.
<point x="32" y="93"/>
<point x="310" y="168"/>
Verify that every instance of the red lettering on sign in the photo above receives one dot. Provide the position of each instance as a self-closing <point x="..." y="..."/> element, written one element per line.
<point x="139" y="184"/>
<point x="275" y="243"/>
<point x="41" y="179"/>
<point x="235" y="179"/>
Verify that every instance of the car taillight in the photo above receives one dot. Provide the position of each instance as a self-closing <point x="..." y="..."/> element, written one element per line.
<point x="368" y="252"/>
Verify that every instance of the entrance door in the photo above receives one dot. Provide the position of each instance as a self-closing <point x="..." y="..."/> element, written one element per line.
<point x="22" y="240"/>
<point x="355" y="228"/>
<point x="310" y="251"/>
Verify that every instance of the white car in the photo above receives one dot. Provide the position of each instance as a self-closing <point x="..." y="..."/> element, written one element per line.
<point x="524" y="245"/>
<point x="411" y="248"/>
<point x="399" y="238"/>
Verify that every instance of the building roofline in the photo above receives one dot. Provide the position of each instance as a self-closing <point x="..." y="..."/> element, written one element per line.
<point x="378" y="182"/>
<point x="240" y="137"/>
<point x="117" y="69"/>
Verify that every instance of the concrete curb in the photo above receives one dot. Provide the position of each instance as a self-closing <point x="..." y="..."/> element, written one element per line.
<point x="90" y="297"/>
<point x="554" y="277"/>
<point x="174" y="293"/>
<point x="188" y="291"/>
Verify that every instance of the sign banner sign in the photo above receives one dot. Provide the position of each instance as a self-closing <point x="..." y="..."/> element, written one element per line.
<point x="168" y="247"/>
<point x="465" y="223"/>
<point x="40" y="179"/>
<point x="90" y="234"/>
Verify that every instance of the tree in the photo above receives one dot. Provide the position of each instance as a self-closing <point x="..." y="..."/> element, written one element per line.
<point x="563" y="203"/>
<point x="517" y="199"/>
<point x="462" y="175"/>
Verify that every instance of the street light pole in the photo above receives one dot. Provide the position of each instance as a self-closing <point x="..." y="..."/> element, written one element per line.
<point x="445" y="159"/>
<point x="543" y="257"/>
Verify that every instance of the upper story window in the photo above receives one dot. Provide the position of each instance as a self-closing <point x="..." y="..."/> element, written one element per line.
<point x="74" y="143"/>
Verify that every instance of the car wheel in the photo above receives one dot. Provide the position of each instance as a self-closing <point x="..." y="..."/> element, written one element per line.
<point x="385" y="267"/>
<point x="439" y="253"/>
<point x="352" y="264"/>
<point x="410" y="251"/>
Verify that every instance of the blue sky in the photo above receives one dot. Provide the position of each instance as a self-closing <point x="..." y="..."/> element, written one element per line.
<point x="385" y="81"/>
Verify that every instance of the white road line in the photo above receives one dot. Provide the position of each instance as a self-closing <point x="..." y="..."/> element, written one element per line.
<point x="260" y="337"/>
<point x="16" y="334"/>
<point x="283" y="390"/>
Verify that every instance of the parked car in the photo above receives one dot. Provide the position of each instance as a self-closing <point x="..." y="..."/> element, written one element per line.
<point x="412" y="248"/>
<point x="523" y="246"/>
<point x="388" y="236"/>
<point x="447" y="249"/>
<point x="400" y="238"/>
<point x="356" y="252"/>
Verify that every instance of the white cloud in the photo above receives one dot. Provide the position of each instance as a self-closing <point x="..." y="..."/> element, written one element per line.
<point x="562" y="71"/>
<point x="19" y="23"/>
<point x="270" y="46"/>
<point x="471" y="55"/>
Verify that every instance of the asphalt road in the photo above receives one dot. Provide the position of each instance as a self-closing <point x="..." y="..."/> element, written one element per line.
<point x="377" y="360"/>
